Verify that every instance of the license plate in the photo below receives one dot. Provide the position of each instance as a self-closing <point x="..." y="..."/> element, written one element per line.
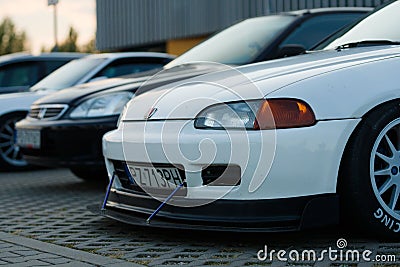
<point x="28" y="138"/>
<point x="156" y="177"/>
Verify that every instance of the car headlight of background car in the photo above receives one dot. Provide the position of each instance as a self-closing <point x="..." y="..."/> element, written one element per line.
<point x="257" y="115"/>
<point x="100" y="106"/>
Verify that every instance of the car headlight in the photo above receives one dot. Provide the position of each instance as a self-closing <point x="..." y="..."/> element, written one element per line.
<point x="101" y="106"/>
<point x="257" y="115"/>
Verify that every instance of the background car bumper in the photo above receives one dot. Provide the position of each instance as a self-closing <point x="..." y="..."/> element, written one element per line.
<point x="68" y="143"/>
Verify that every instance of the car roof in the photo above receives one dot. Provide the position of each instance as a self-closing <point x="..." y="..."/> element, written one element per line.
<point x="303" y="12"/>
<point x="14" y="57"/>
<point x="315" y="11"/>
<point x="131" y="54"/>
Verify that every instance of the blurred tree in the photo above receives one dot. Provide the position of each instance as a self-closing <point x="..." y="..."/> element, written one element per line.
<point x="69" y="44"/>
<point x="11" y="41"/>
<point x="43" y="49"/>
<point x="89" y="47"/>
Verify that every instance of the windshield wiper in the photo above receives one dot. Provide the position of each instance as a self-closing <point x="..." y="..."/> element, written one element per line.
<point x="367" y="43"/>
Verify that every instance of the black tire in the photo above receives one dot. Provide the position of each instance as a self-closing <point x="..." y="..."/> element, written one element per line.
<point x="10" y="156"/>
<point x="90" y="174"/>
<point x="364" y="208"/>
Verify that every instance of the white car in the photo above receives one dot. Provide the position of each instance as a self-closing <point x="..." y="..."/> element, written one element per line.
<point x="14" y="107"/>
<point x="283" y="145"/>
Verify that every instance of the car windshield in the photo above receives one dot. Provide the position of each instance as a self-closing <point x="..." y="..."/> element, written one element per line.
<point x="381" y="26"/>
<point x="68" y="75"/>
<point x="239" y="44"/>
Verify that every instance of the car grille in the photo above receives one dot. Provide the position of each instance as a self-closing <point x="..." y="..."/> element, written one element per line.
<point x="47" y="112"/>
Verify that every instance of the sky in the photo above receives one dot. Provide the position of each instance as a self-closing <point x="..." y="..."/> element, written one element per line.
<point x="35" y="17"/>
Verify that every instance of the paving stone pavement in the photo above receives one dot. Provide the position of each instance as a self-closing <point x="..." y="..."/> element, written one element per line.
<point x="22" y="251"/>
<point x="44" y="221"/>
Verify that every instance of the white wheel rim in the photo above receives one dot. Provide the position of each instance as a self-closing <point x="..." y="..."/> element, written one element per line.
<point x="385" y="168"/>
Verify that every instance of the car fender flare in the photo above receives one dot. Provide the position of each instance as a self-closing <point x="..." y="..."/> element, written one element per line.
<point x="340" y="176"/>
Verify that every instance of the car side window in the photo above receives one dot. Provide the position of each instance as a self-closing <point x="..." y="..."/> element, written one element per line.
<point x="19" y="74"/>
<point x="122" y="67"/>
<point x="317" y="28"/>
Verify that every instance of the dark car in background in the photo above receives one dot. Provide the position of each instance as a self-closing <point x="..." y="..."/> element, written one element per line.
<point x="19" y="71"/>
<point x="270" y="37"/>
<point x="71" y="137"/>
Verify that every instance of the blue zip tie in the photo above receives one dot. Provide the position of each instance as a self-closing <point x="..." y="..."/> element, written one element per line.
<point x="128" y="173"/>
<point x="103" y="207"/>
<point x="164" y="202"/>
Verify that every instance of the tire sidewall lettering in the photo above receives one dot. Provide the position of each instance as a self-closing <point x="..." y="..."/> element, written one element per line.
<point x="387" y="220"/>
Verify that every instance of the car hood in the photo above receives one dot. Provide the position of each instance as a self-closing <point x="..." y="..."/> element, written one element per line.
<point x="68" y="95"/>
<point x="185" y="99"/>
<point x="136" y="83"/>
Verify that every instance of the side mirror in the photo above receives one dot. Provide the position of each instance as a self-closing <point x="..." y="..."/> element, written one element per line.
<point x="290" y="50"/>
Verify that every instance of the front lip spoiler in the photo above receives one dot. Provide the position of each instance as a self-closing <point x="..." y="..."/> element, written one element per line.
<point x="315" y="211"/>
<point x="138" y="219"/>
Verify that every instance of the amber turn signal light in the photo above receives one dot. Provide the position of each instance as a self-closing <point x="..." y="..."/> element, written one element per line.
<point x="283" y="113"/>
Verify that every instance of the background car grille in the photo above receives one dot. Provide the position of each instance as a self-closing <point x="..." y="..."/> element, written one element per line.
<point x="47" y="112"/>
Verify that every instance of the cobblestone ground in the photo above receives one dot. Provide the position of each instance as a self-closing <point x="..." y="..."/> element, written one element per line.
<point x="51" y="206"/>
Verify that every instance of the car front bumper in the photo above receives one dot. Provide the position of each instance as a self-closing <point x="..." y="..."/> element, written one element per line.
<point x="299" y="190"/>
<point x="68" y="143"/>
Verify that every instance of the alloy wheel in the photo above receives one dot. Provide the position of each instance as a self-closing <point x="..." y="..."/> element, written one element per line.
<point x="385" y="168"/>
<point x="9" y="150"/>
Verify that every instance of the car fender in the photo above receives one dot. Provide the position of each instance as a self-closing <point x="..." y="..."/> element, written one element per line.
<point x="17" y="102"/>
<point x="347" y="93"/>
